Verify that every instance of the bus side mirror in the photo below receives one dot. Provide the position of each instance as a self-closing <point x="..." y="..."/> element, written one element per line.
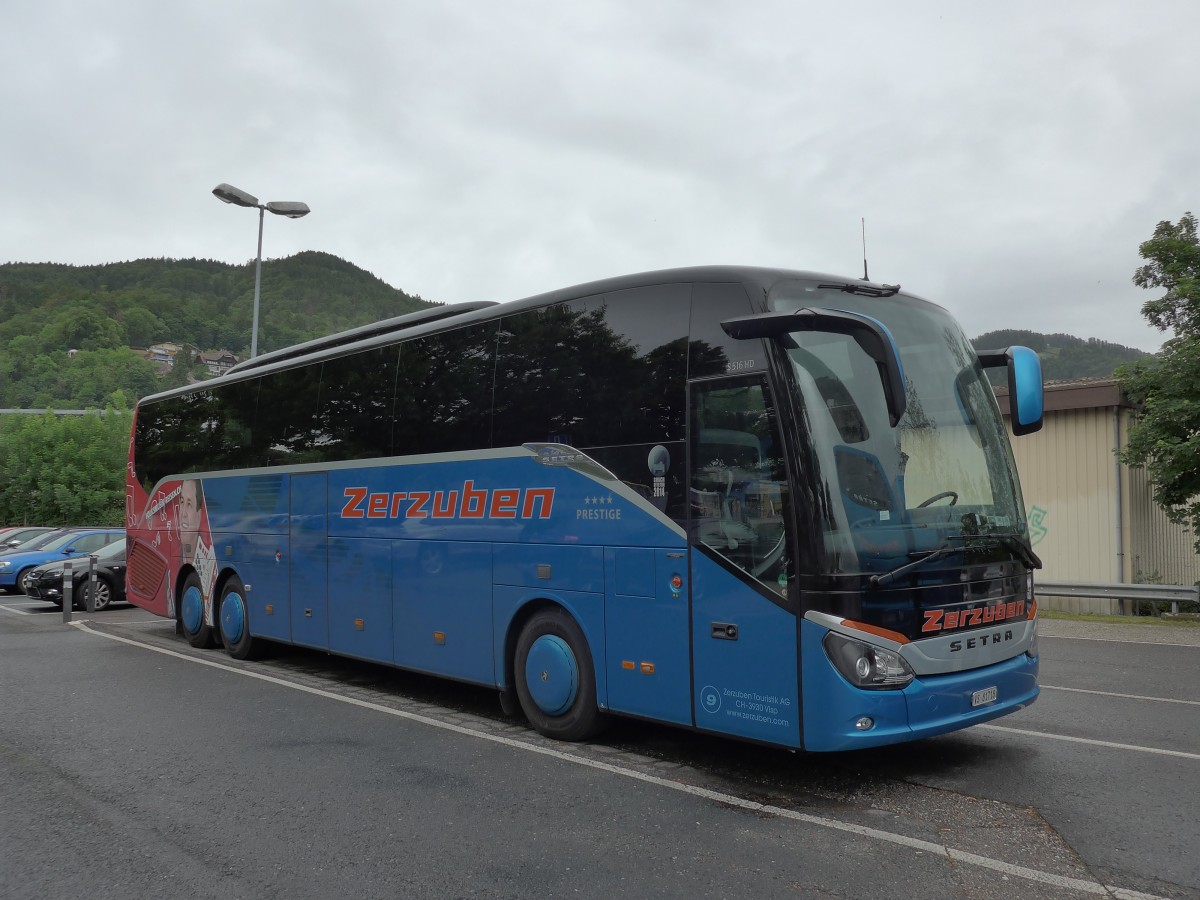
<point x="870" y="334"/>
<point x="1025" y="400"/>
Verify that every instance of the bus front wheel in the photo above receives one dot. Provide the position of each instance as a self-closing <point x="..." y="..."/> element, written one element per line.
<point x="556" y="683"/>
<point x="191" y="614"/>
<point x="235" y="623"/>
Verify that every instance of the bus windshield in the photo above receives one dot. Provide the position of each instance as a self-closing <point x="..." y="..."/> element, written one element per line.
<point x="941" y="477"/>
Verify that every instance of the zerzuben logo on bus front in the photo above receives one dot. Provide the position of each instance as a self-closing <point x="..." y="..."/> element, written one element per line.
<point x="951" y="619"/>
<point x="468" y="503"/>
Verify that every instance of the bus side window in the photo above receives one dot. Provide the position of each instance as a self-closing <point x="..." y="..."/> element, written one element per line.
<point x="710" y="350"/>
<point x="443" y="391"/>
<point x="603" y="371"/>
<point x="285" y="431"/>
<point x="229" y="427"/>
<point x="650" y="324"/>
<point x="543" y="362"/>
<point x="354" y="418"/>
<point x="641" y="437"/>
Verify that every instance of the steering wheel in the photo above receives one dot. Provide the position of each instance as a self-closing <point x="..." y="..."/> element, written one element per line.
<point x="942" y="496"/>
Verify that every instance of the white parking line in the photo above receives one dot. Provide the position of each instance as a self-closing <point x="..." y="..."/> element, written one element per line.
<point x="15" y="611"/>
<point x="961" y="856"/>
<point x="1078" y="740"/>
<point x="1055" y="687"/>
<point x="1113" y="640"/>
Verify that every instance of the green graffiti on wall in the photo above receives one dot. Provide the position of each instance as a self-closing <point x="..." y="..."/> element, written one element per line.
<point x="1037" y="525"/>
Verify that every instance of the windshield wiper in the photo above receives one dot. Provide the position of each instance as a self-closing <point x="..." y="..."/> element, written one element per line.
<point x="1018" y="546"/>
<point x="865" y="290"/>
<point x="977" y="542"/>
<point x="889" y="577"/>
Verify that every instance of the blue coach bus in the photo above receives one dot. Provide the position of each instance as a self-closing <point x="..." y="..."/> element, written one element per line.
<point x="775" y="505"/>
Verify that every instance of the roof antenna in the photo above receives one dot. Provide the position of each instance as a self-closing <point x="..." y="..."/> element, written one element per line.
<point x="864" y="239"/>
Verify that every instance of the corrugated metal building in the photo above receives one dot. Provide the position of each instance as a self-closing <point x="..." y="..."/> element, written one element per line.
<point x="1091" y="518"/>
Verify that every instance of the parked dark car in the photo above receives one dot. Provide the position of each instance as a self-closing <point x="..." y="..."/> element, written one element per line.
<point x="19" y="536"/>
<point x="15" y="567"/>
<point x="46" y="582"/>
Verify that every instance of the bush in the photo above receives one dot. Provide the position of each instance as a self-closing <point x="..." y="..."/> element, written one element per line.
<point x="64" y="470"/>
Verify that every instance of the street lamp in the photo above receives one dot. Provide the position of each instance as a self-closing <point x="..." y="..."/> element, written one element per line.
<point x="227" y="193"/>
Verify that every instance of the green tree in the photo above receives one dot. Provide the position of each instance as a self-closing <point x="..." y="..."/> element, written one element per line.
<point x="1165" y="439"/>
<point x="1173" y="262"/>
<point x="64" y="470"/>
<point x="178" y="374"/>
<point x="143" y="326"/>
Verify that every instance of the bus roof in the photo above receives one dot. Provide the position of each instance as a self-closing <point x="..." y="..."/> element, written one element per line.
<point x="385" y="326"/>
<point x="443" y="318"/>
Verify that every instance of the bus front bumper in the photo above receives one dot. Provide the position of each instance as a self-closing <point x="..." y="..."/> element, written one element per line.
<point x="840" y="716"/>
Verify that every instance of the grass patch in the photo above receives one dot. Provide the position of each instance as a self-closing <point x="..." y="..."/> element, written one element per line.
<point x="1117" y="620"/>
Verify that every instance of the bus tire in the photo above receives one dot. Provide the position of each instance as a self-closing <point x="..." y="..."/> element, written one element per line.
<point x="556" y="683"/>
<point x="235" y="622"/>
<point x="191" y="614"/>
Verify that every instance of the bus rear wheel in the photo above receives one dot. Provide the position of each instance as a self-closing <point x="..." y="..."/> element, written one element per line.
<point x="235" y="622"/>
<point x="191" y="614"/>
<point x="556" y="683"/>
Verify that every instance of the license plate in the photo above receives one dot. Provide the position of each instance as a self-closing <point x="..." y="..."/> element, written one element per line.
<point x="987" y="695"/>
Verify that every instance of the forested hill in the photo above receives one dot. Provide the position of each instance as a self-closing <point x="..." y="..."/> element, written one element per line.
<point x="68" y="333"/>
<point x="101" y="312"/>
<point x="202" y="302"/>
<point x="1064" y="358"/>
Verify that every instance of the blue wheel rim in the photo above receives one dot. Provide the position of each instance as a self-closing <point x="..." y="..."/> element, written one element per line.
<point x="191" y="609"/>
<point x="552" y="674"/>
<point x="233" y="617"/>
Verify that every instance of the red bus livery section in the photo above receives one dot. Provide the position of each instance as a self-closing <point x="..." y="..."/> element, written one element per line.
<point x="469" y="502"/>
<point x="951" y="619"/>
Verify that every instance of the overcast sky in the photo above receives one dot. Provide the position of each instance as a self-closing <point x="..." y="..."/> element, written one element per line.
<point x="1008" y="157"/>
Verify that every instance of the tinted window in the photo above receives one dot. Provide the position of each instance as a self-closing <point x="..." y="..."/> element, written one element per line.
<point x="154" y="425"/>
<point x="444" y="392"/>
<point x="286" y="428"/>
<point x="230" y="428"/>
<point x="170" y="436"/>
<point x="543" y="362"/>
<point x="650" y="398"/>
<point x="712" y="351"/>
<point x="357" y="394"/>
<point x="196" y="432"/>
<point x="605" y="371"/>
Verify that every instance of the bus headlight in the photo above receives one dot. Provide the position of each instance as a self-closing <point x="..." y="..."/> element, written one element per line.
<point x="865" y="665"/>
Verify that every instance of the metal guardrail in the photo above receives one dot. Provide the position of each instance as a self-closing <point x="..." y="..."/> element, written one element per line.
<point x="1152" y="593"/>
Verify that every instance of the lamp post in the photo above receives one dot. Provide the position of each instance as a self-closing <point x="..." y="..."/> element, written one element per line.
<point x="227" y="193"/>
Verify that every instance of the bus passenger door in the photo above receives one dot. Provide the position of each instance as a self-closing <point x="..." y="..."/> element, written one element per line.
<point x="744" y="634"/>
<point x="308" y="560"/>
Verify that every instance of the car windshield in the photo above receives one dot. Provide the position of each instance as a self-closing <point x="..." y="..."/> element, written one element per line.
<point x="55" y="543"/>
<point x="38" y="542"/>
<point x="21" y="535"/>
<point x="942" y="475"/>
<point x="111" y="551"/>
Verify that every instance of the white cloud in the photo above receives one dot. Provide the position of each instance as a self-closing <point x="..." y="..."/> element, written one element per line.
<point x="1008" y="158"/>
